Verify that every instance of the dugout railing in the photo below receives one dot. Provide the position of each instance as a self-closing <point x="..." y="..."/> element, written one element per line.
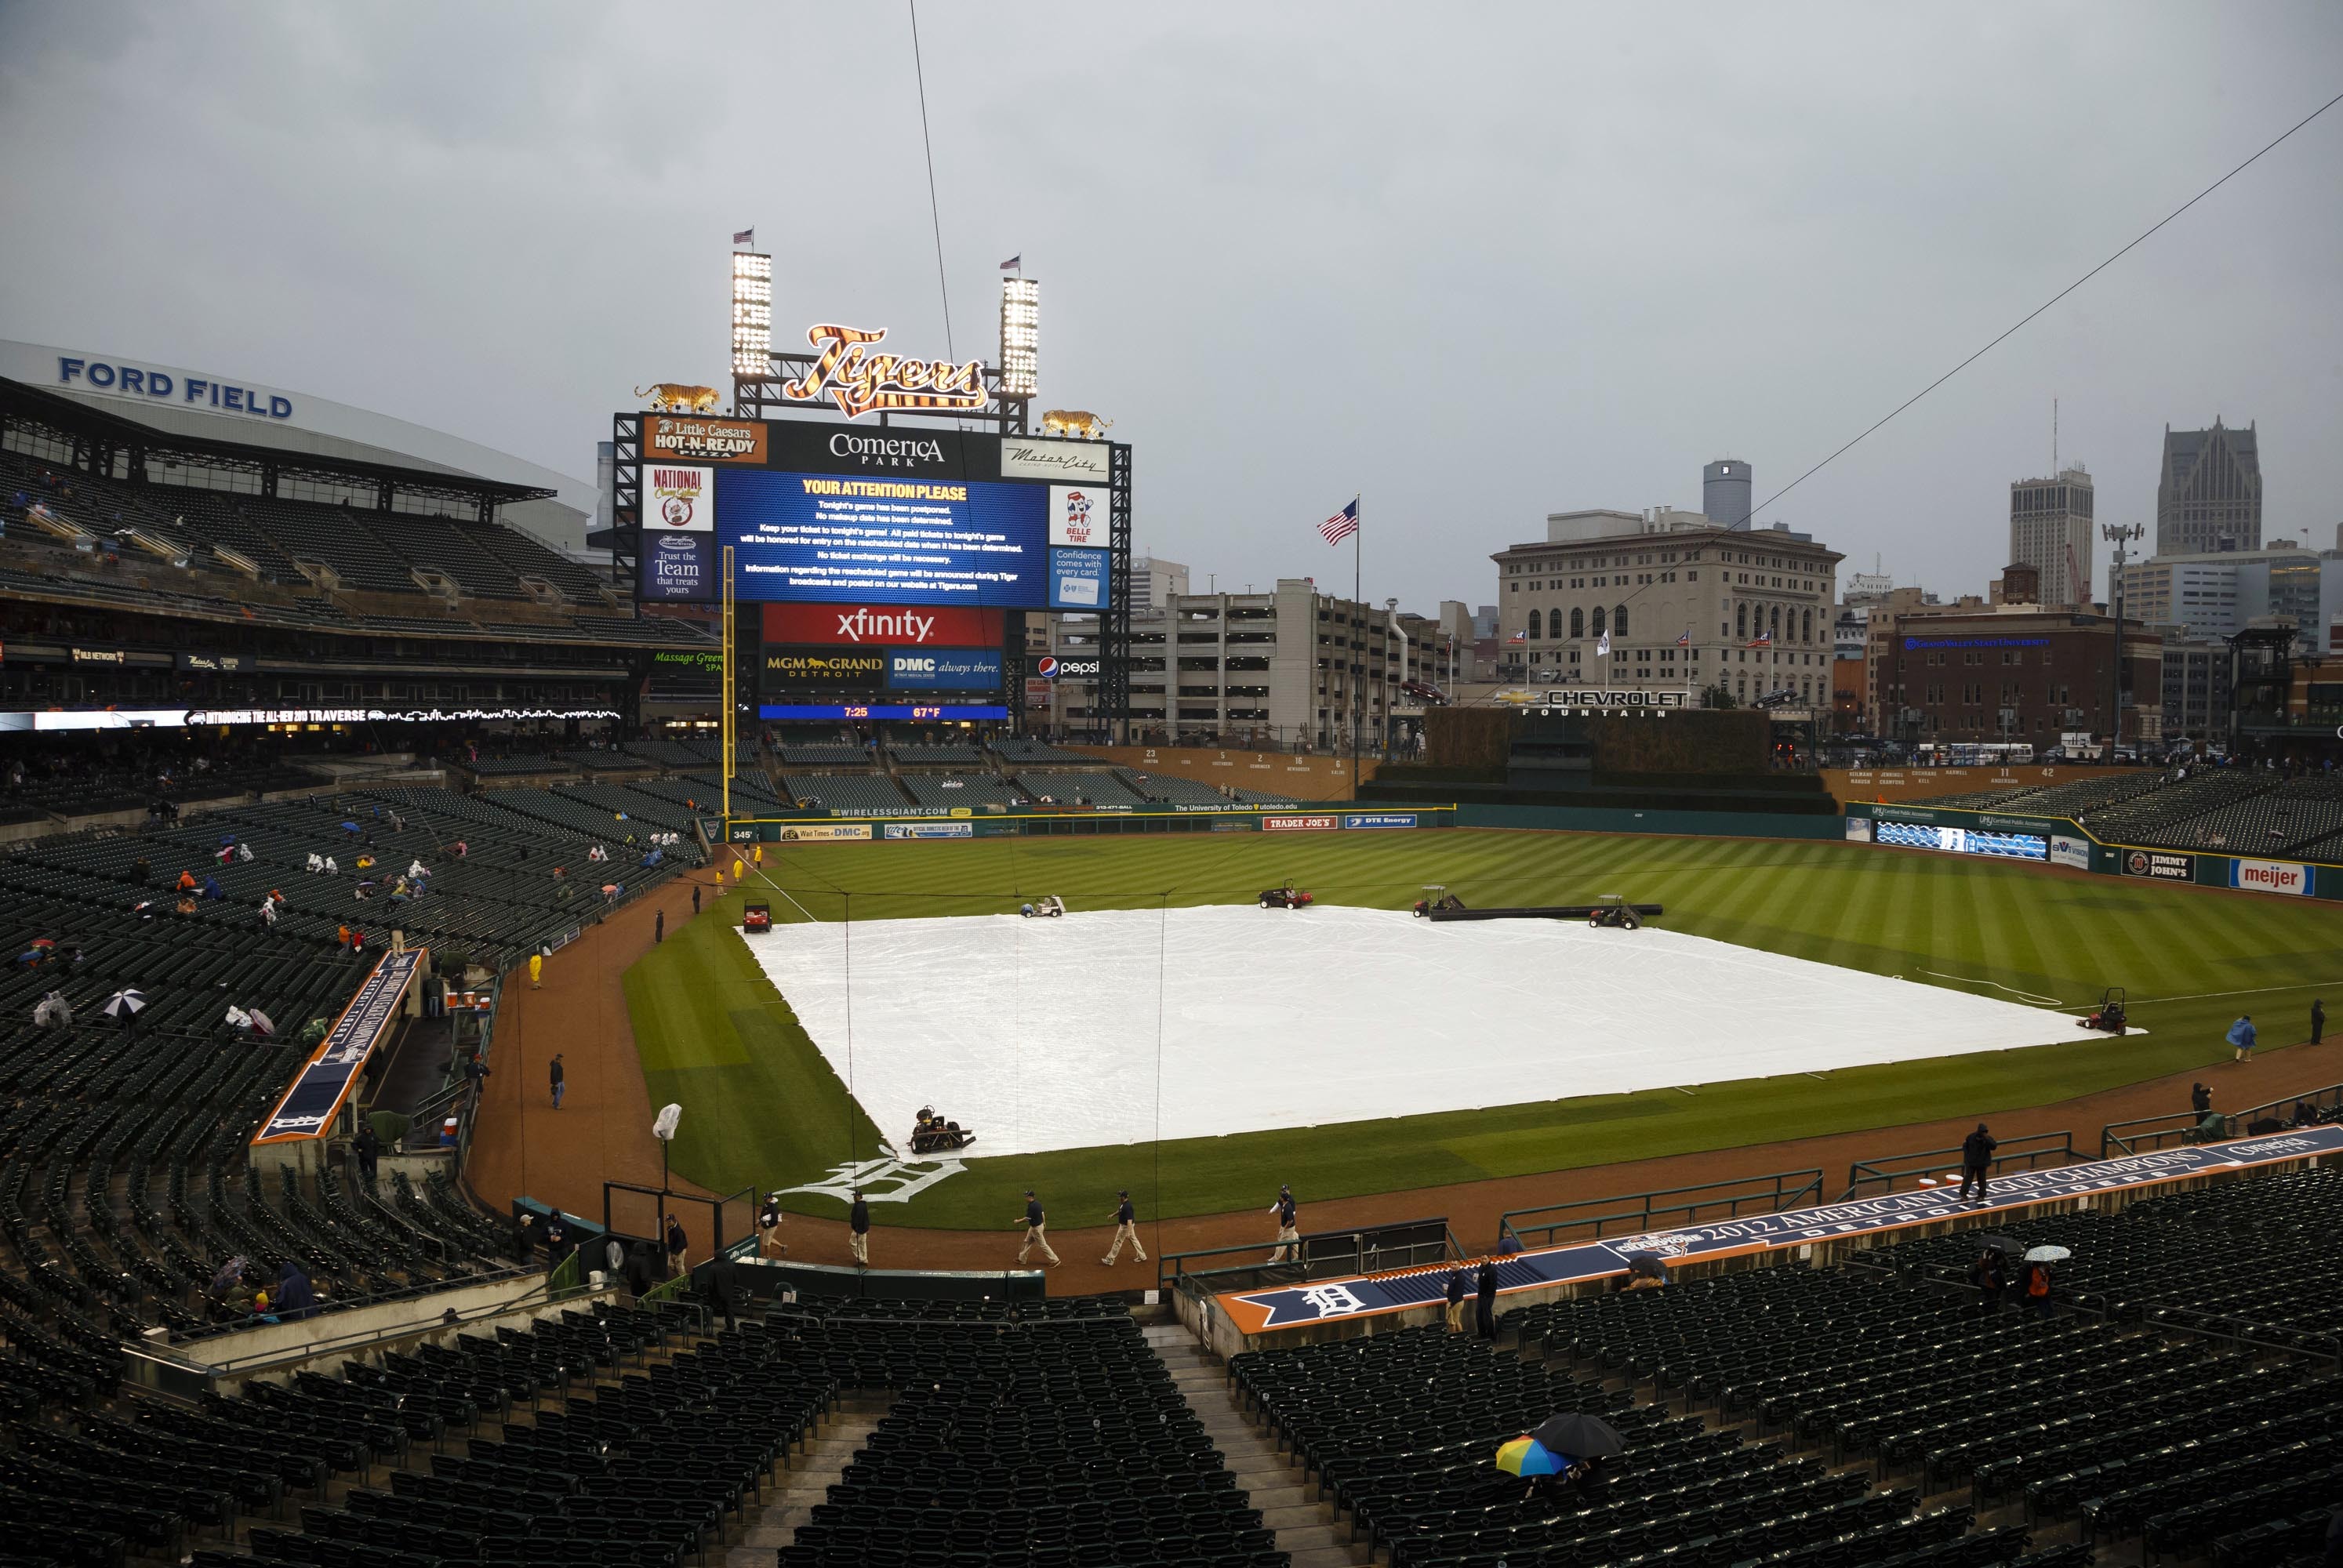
<point x="1633" y="1214"/>
<point x="2143" y="1133"/>
<point x="1323" y="1256"/>
<point x="2031" y="1152"/>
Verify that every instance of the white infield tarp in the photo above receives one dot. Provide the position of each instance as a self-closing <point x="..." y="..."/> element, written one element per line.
<point x="1117" y="1026"/>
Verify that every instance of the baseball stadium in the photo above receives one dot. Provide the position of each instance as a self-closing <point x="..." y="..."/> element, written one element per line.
<point x="789" y="1005"/>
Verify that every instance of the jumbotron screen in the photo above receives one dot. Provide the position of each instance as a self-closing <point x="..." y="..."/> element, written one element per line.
<point x="823" y="514"/>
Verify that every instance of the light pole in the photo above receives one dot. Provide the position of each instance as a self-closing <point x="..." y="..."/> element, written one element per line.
<point x="2120" y="535"/>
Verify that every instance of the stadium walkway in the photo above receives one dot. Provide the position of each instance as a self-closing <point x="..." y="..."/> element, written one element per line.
<point x="603" y="1132"/>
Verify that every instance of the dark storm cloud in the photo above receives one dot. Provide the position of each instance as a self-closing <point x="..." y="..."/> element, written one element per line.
<point x="1477" y="263"/>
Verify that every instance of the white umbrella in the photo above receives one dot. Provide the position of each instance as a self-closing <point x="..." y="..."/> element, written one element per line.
<point x="124" y="1004"/>
<point x="2047" y="1254"/>
<point x="261" y="1022"/>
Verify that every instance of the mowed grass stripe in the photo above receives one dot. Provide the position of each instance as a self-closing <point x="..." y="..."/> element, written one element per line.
<point x="766" y="1110"/>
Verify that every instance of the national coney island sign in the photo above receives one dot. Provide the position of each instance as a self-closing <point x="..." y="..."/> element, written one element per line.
<point x="847" y="371"/>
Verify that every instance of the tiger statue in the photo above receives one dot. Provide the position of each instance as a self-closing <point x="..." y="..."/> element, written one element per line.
<point x="674" y="397"/>
<point x="1079" y="423"/>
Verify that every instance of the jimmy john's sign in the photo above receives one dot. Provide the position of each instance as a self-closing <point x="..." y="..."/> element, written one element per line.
<point x="850" y="372"/>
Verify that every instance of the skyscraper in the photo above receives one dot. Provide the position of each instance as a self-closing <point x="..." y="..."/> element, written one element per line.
<point x="1725" y="496"/>
<point x="2210" y="496"/>
<point x="2050" y="530"/>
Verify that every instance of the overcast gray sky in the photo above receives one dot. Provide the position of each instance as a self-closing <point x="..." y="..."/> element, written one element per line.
<point x="1477" y="263"/>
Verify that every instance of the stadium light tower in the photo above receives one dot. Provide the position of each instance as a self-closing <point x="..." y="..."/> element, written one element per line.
<point x="1021" y="329"/>
<point x="752" y="312"/>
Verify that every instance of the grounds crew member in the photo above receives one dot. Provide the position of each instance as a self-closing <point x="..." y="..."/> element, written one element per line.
<point x="555" y="1072"/>
<point x="1126" y="1229"/>
<point x="1035" y="1222"/>
<point x="2241" y="1035"/>
<point x="1977" y="1160"/>
<point x="769" y="1228"/>
<point x="1288" y="1239"/>
<point x="857" y="1230"/>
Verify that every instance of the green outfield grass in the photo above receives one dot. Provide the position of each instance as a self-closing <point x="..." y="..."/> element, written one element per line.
<point x="764" y="1109"/>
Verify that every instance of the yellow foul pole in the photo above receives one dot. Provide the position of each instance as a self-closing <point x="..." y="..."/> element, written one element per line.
<point x="731" y="696"/>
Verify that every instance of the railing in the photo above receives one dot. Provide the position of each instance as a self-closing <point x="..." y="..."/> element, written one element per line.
<point x="1638" y="1212"/>
<point x="2148" y="1132"/>
<point x="2221" y="1329"/>
<point x="450" y="1317"/>
<point x="328" y="1308"/>
<point x="1324" y="1254"/>
<point x="2029" y="1152"/>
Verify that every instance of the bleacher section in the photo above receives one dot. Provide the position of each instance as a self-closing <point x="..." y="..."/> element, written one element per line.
<point x="1018" y="749"/>
<point x="937" y="756"/>
<point x="1041" y="1434"/>
<point x="948" y="789"/>
<point x="824" y="754"/>
<point x="2070" y="798"/>
<point x="1170" y="788"/>
<point x="2157" y="816"/>
<point x="1101" y="789"/>
<point x="844" y="793"/>
<point x="2242" y="810"/>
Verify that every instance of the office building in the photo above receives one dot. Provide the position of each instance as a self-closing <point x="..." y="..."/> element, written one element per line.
<point x="2051" y="530"/>
<point x="1291" y="664"/>
<point x="2208" y="498"/>
<point x="1725" y="494"/>
<point x="1156" y="582"/>
<point x="2196" y="688"/>
<point x="2017" y="673"/>
<point x="2218" y="595"/>
<point x="1684" y="603"/>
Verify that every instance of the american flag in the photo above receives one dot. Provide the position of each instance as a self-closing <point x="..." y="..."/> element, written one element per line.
<point x="1683" y="637"/>
<point x="1014" y="263"/>
<point x="1519" y="637"/>
<point x="1343" y="524"/>
<point x="1763" y="640"/>
<point x="744" y="237"/>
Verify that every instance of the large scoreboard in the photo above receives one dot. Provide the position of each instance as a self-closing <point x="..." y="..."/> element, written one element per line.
<point x="890" y="567"/>
<point x="826" y="514"/>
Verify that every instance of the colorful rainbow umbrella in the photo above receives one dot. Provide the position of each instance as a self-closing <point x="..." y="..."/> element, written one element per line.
<point x="1526" y="1456"/>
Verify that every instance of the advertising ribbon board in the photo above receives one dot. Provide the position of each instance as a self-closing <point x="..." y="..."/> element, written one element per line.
<point x="1362" y="820"/>
<point x="1253" y="1311"/>
<point x="1300" y="824"/>
<point x="309" y="1107"/>
<point x="824" y="832"/>
<point x="927" y="829"/>
<point x="2073" y="852"/>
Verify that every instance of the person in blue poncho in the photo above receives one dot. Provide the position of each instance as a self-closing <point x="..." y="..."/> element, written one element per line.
<point x="2241" y="1036"/>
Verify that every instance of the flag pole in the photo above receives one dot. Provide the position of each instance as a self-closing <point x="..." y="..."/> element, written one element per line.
<point x="1358" y="676"/>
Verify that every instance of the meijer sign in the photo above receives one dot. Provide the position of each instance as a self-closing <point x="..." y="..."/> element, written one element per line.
<point x="2270" y="876"/>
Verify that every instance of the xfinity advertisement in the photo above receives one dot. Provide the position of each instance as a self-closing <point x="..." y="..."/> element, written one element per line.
<point x="832" y="537"/>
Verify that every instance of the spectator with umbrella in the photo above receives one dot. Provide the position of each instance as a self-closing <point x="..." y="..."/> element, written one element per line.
<point x="1565" y="1448"/>
<point x="2036" y="1278"/>
<point x="124" y="1006"/>
<point x="1645" y="1271"/>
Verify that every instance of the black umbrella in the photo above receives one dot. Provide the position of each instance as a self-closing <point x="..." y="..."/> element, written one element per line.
<point x="2000" y="1244"/>
<point x="1580" y="1436"/>
<point x="1649" y="1265"/>
<point x="124" y="1003"/>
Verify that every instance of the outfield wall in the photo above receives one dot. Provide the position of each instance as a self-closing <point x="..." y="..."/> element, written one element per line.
<point x="962" y="824"/>
<point x="1622" y="820"/>
<point x="2062" y="841"/>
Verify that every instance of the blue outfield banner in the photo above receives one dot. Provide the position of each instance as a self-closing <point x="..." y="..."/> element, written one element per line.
<point x="1354" y="821"/>
<point x="309" y="1107"/>
<point x="1252" y="1312"/>
<point x="959" y="830"/>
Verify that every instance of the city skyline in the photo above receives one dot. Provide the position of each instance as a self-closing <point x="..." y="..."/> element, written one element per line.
<point x="1476" y="314"/>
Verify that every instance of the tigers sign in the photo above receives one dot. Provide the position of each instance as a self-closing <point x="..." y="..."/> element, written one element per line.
<point x="847" y="372"/>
